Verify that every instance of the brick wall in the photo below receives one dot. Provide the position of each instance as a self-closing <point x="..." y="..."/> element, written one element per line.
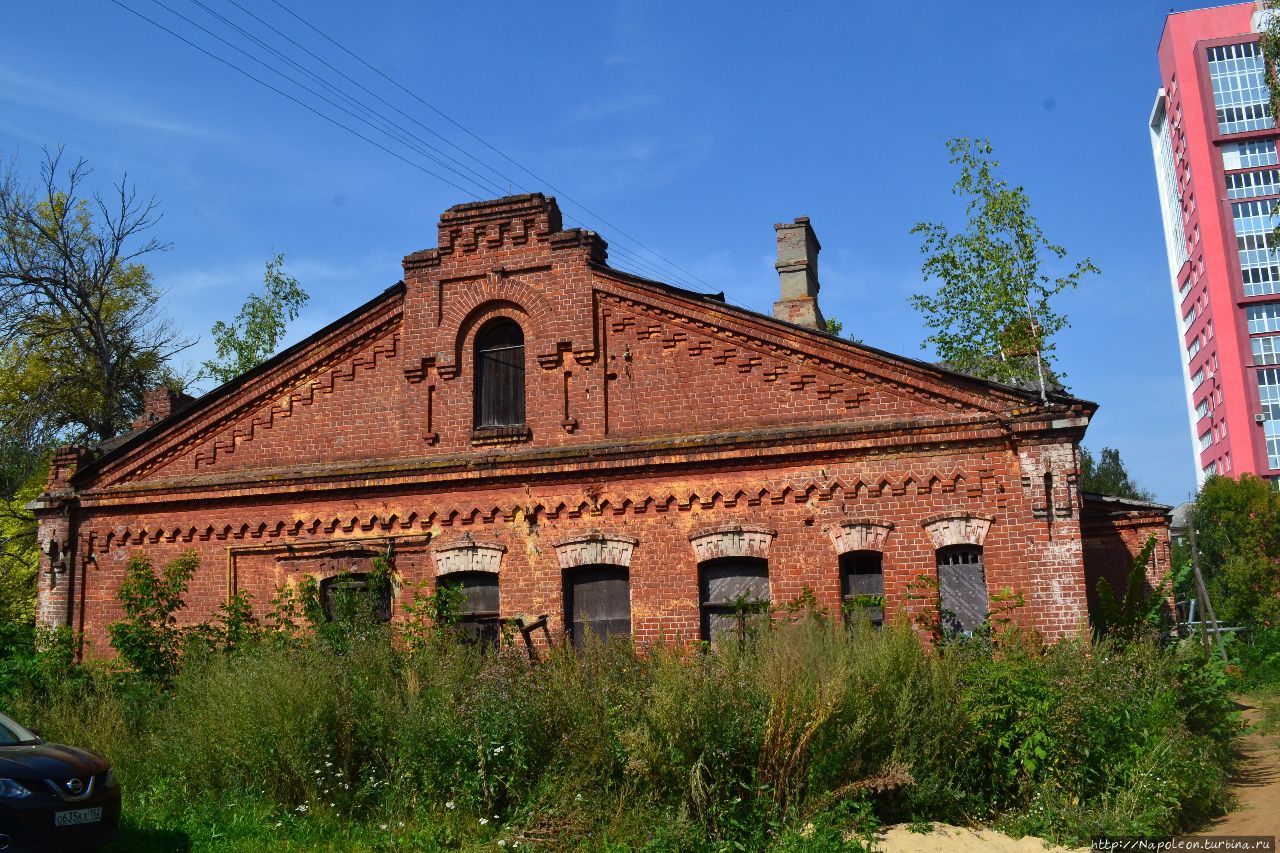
<point x="653" y="414"/>
<point x="1115" y="532"/>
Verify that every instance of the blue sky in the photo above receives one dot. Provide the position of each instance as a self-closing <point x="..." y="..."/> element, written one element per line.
<point x="690" y="126"/>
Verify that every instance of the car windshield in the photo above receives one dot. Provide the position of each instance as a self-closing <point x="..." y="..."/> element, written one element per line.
<point x="11" y="733"/>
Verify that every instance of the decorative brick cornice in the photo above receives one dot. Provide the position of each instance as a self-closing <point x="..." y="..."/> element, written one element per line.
<point x="732" y="540"/>
<point x="858" y="535"/>
<point x="595" y="548"/>
<point x="465" y="554"/>
<point x="958" y="529"/>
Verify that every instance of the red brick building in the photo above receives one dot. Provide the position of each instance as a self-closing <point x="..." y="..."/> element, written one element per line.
<point x="567" y="439"/>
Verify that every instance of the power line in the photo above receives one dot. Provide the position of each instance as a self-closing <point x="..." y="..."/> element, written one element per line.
<point x="628" y="257"/>
<point x="368" y="91"/>
<point x="297" y="101"/>
<point x="475" y="176"/>
<point x="313" y="92"/>
<point x="560" y="193"/>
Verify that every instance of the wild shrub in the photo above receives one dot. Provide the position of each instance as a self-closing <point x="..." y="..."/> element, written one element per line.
<point x="803" y="733"/>
<point x="1136" y="612"/>
<point x="148" y="639"/>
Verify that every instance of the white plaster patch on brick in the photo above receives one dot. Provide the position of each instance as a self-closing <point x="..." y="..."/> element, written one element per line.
<point x="732" y="540"/>
<point x="958" y="530"/>
<point x="858" y="536"/>
<point x="468" y="555"/>
<point x="596" y="548"/>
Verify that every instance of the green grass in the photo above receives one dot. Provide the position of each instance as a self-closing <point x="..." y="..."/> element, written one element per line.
<point x="804" y="738"/>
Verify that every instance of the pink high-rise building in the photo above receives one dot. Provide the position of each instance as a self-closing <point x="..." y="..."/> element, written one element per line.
<point x="1218" y="172"/>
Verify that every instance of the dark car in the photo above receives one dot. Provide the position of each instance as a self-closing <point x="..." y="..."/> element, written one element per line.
<point x="53" y="797"/>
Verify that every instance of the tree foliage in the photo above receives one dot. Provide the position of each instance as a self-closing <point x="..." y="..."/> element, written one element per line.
<point x="79" y="322"/>
<point x="256" y="331"/>
<point x="835" y="327"/>
<point x="81" y="336"/>
<point x="992" y="315"/>
<point x="1238" y="536"/>
<point x="1107" y="475"/>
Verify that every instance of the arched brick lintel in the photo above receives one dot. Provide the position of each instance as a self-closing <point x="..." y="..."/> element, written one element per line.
<point x="859" y="535"/>
<point x="596" y="548"/>
<point x="958" y="529"/>
<point x="468" y="555"/>
<point x="497" y="296"/>
<point x="732" y="540"/>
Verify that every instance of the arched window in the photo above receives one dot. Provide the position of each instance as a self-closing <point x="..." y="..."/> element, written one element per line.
<point x="499" y="391"/>
<point x="478" y="612"/>
<point x="862" y="584"/>
<point x="962" y="587"/>
<point x="734" y="593"/>
<point x="597" y="598"/>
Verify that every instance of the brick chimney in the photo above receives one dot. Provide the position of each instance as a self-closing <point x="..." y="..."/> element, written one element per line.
<point x="797" y="268"/>
<point x="158" y="403"/>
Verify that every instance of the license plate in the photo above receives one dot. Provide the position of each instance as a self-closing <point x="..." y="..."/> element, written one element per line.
<point x="77" y="816"/>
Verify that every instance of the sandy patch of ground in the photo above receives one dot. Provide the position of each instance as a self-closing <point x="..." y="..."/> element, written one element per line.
<point x="900" y="839"/>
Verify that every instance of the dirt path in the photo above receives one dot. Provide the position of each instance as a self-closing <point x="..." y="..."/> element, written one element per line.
<point x="1256" y="785"/>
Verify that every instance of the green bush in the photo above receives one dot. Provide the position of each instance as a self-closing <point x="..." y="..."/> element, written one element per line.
<point x="804" y="734"/>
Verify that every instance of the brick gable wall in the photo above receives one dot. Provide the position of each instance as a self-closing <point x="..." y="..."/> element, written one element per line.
<point x="652" y="414"/>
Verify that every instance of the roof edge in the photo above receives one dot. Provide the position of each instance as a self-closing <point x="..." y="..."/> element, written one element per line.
<point x="227" y="388"/>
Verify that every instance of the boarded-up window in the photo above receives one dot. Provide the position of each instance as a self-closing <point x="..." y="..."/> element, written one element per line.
<point x="351" y="596"/>
<point x="862" y="585"/>
<point x="962" y="585"/>
<point x="735" y="596"/>
<point x="499" y="393"/>
<point x="478" y="614"/>
<point x="597" y="599"/>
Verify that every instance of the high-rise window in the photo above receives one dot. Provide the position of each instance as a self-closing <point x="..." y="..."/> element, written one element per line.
<point x="1198" y="378"/>
<point x="1269" y="394"/>
<point x="1238" y="76"/>
<point x="1264" y="318"/>
<point x="1206" y="439"/>
<point x="1202" y="410"/>
<point x="1259" y="265"/>
<point x="1253" y="184"/>
<point x="1266" y="350"/>
<point x="1247" y="155"/>
<point x="1167" y="184"/>
<point x="1193" y="349"/>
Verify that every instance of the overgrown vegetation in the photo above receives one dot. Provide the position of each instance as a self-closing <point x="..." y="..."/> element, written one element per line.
<point x="804" y="733"/>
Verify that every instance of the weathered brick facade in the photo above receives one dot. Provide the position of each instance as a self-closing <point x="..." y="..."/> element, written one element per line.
<point x="661" y="427"/>
<point x="1115" y="532"/>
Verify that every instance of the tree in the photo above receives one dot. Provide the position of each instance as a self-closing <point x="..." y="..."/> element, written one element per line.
<point x="79" y="318"/>
<point x="992" y="315"/>
<point x="1238" y="536"/>
<point x="1108" y="476"/>
<point x="81" y="338"/>
<point x="835" y="327"/>
<point x="255" y="333"/>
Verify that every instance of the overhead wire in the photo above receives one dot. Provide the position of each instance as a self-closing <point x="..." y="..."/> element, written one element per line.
<point x="474" y="176"/>
<point x="559" y="193"/>
<point x="313" y="92"/>
<point x="290" y="97"/>
<point x="624" y="257"/>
